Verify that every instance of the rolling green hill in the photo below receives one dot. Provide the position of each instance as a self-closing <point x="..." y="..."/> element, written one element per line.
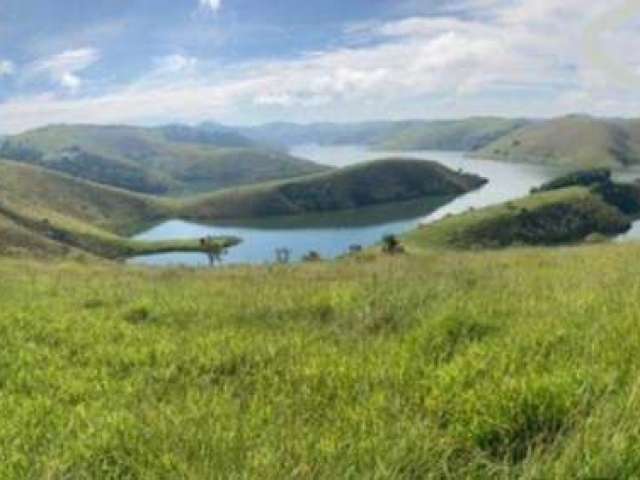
<point x="164" y="160"/>
<point x="575" y="141"/>
<point x="557" y="217"/>
<point x="468" y="135"/>
<point x="16" y="240"/>
<point x="373" y="183"/>
<point x="40" y="192"/>
<point x="65" y="212"/>
<point x="46" y="212"/>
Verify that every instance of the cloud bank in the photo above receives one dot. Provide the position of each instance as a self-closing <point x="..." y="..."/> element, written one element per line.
<point x="64" y="68"/>
<point x="528" y="58"/>
<point x="6" y="68"/>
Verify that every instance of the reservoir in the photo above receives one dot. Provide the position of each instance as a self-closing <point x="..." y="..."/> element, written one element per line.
<point x="331" y="234"/>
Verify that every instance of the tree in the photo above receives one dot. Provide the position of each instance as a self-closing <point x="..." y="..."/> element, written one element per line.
<point x="214" y="250"/>
<point x="283" y="255"/>
<point x="312" y="256"/>
<point x="391" y="245"/>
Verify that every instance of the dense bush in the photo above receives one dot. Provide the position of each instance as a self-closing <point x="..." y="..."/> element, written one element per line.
<point x="582" y="178"/>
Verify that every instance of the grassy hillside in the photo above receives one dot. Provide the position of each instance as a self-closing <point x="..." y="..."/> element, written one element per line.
<point x="373" y="183"/>
<point x="41" y="192"/>
<point x="164" y="160"/>
<point x="518" y="364"/>
<point x="574" y="141"/>
<point x="43" y="212"/>
<point x="468" y="135"/>
<point x="550" y="218"/>
<point x="16" y="240"/>
<point x="74" y="213"/>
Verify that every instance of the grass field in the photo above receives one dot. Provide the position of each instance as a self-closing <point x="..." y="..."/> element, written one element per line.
<point x="445" y="365"/>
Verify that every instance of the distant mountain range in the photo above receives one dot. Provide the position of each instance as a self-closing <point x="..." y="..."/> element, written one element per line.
<point x="467" y="134"/>
<point x="574" y="141"/>
<point x="181" y="159"/>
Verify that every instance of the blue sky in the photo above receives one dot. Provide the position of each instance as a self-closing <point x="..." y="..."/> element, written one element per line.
<point x="251" y="61"/>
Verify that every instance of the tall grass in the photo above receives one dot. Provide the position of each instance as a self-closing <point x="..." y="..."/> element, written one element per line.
<point x="520" y="363"/>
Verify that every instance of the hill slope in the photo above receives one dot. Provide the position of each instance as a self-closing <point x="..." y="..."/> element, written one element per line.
<point x="513" y="364"/>
<point x="164" y="160"/>
<point x="573" y="141"/>
<point x="372" y="183"/>
<point x="551" y="218"/>
<point x="40" y="192"/>
<point x="18" y="240"/>
<point x="91" y="217"/>
<point x="464" y="135"/>
<point x="45" y="212"/>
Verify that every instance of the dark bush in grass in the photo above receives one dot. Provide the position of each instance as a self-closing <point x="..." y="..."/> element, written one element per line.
<point x="581" y="178"/>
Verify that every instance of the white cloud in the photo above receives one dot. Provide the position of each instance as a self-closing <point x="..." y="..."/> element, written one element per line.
<point x="64" y="67"/>
<point x="623" y="73"/>
<point x="518" y="58"/>
<point x="211" y="5"/>
<point x="7" y="68"/>
<point x="172" y="64"/>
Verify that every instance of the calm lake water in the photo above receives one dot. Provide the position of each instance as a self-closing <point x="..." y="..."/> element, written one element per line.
<point x="332" y="234"/>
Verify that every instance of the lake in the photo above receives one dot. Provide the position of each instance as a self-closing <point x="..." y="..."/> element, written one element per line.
<point x="331" y="234"/>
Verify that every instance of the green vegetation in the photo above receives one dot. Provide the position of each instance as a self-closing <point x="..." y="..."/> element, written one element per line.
<point x="581" y="178"/>
<point x="40" y="193"/>
<point x="372" y="183"/>
<point x="64" y="213"/>
<point x="556" y="217"/>
<point x="437" y="363"/>
<point x="46" y="213"/>
<point x="17" y="240"/>
<point x="24" y="234"/>
<point x="470" y="134"/>
<point x="164" y="160"/>
<point x="625" y="196"/>
<point x="573" y="141"/>
<point x="452" y="365"/>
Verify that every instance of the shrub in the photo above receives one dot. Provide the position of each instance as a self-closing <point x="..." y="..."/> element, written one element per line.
<point x="391" y="245"/>
<point x="312" y="256"/>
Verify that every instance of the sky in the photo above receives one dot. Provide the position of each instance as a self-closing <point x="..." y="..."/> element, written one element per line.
<point x="254" y="61"/>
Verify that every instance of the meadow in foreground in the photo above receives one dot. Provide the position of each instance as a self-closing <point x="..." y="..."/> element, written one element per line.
<point x="516" y="363"/>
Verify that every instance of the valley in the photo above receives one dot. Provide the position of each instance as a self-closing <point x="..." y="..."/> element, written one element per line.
<point x="96" y="218"/>
<point x="319" y="240"/>
<point x="365" y="343"/>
